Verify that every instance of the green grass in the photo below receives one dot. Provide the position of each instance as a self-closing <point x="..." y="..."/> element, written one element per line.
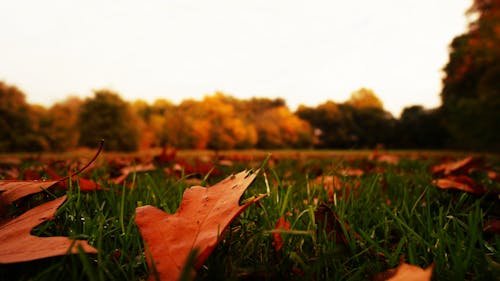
<point x="423" y="224"/>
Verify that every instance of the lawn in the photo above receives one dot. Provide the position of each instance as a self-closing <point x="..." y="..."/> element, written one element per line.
<point x="352" y="215"/>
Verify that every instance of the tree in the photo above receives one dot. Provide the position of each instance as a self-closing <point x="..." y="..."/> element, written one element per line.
<point x="471" y="92"/>
<point x="18" y="122"/>
<point x="364" y="98"/>
<point x="60" y="125"/>
<point x="277" y="127"/>
<point x="106" y="116"/>
<point x="421" y="128"/>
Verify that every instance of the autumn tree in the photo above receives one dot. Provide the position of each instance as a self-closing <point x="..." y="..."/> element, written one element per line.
<point x="471" y="92"/>
<point x="18" y="122"/>
<point x="107" y="116"/>
<point x="278" y="127"/>
<point x="60" y="125"/>
<point x="365" y="98"/>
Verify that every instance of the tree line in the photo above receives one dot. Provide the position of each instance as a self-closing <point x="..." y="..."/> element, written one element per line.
<point x="467" y="119"/>
<point x="216" y="122"/>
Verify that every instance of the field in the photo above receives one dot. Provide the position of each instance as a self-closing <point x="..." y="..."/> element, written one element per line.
<point x="344" y="215"/>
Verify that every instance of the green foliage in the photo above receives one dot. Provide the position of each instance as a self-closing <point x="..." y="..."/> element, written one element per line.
<point x="107" y="116"/>
<point x="346" y="126"/>
<point x="421" y="128"/>
<point x="18" y="122"/>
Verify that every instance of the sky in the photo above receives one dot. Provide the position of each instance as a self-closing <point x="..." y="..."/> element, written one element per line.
<point x="306" y="51"/>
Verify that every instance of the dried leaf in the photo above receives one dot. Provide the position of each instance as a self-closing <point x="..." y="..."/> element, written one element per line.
<point x="198" y="224"/>
<point x="328" y="221"/>
<point x="125" y="171"/>
<point x="406" y="272"/>
<point x="12" y="190"/>
<point x="492" y="226"/>
<point x="464" y="183"/>
<point x="18" y="245"/>
<point x="282" y="224"/>
<point x="455" y="167"/>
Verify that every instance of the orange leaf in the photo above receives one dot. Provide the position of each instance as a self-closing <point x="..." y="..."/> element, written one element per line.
<point x="278" y="240"/>
<point x="406" y="272"/>
<point x="12" y="190"/>
<point x="18" y="245"/>
<point x="198" y="224"/>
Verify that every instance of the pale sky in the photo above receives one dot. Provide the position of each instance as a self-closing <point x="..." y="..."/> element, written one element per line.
<point x="306" y="52"/>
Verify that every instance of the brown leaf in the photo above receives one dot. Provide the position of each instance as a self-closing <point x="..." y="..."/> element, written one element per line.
<point x="198" y="224"/>
<point x="464" y="183"/>
<point x="12" y="190"/>
<point x="334" y="184"/>
<point x="18" y="245"/>
<point x="492" y="226"/>
<point x="351" y="172"/>
<point x="406" y="272"/>
<point x="455" y="167"/>
<point x="125" y="171"/>
<point x="327" y="220"/>
<point x="278" y="240"/>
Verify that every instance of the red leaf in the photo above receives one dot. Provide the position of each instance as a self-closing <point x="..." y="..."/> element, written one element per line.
<point x="198" y="224"/>
<point x="12" y="190"/>
<point x="406" y="272"/>
<point x="278" y="240"/>
<point x="18" y="245"/>
<point x="84" y="184"/>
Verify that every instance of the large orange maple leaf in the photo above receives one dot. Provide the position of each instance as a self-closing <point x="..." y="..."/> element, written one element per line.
<point x="18" y="245"/>
<point x="197" y="225"/>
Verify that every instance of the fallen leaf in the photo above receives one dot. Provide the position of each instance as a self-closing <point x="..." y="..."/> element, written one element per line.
<point x="462" y="182"/>
<point x="125" y="171"/>
<point x="455" y="167"/>
<point x="12" y="190"/>
<point x="18" y="245"/>
<point x="334" y="184"/>
<point x="406" y="272"/>
<point x="199" y="223"/>
<point x="492" y="226"/>
<point x="351" y="172"/>
<point x="388" y="158"/>
<point x="83" y="184"/>
<point x="328" y="221"/>
<point x="282" y="224"/>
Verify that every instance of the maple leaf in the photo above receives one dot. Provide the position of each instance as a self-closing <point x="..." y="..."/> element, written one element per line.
<point x="406" y="272"/>
<point x="198" y="224"/>
<point x="278" y="240"/>
<point x="18" y="245"/>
